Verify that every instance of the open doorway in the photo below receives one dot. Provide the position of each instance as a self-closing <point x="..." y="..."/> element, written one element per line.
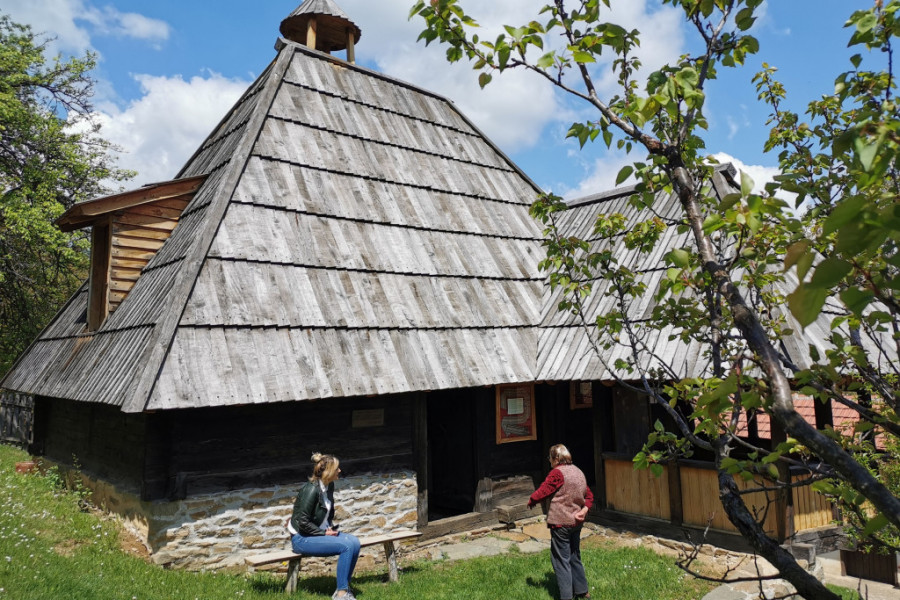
<point x="451" y="454"/>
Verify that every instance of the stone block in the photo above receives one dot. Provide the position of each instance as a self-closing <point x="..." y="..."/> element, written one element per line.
<point x="252" y="540"/>
<point x="806" y="552"/>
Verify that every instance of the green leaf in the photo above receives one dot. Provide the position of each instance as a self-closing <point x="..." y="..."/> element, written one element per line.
<point x="484" y="79"/>
<point x="547" y="60"/>
<point x="794" y="252"/>
<point x="712" y="223"/>
<point x="688" y="77"/>
<point x="679" y="257"/>
<point x="830" y="272"/>
<point x="856" y="300"/>
<point x="875" y="525"/>
<point x="866" y="152"/>
<point x="806" y="303"/>
<point x="746" y="184"/>
<point x="865" y="24"/>
<point x="845" y="212"/>
<point x="624" y="173"/>
<point x="656" y="469"/>
<point x="582" y="57"/>
<point x="744" y="19"/>
<point x="728" y="201"/>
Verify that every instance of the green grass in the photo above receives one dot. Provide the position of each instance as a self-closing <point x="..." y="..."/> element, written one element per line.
<point x="51" y="549"/>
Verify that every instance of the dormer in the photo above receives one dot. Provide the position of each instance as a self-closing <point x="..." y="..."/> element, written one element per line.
<point x="127" y="230"/>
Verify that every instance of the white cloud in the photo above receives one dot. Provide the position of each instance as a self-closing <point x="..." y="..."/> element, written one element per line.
<point x="74" y="22"/>
<point x="163" y="127"/>
<point x="516" y="107"/>
<point x="109" y="21"/>
<point x="512" y="111"/>
<point x="161" y="130"/>
<point x="760" y="174"/>
<point x="601" y="175"/>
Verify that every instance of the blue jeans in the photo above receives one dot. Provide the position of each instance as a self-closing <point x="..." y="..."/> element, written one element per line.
<point x="565" y="556"/>
<point x="342" y="545"/>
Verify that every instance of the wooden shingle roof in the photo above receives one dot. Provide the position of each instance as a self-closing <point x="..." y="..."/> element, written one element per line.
<point x="354" y="235"/>
<point x="565" y="349"/>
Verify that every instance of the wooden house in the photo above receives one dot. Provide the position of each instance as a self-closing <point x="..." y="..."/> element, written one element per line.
<point x="345" y="265"/>
<point x="686" y="495"/>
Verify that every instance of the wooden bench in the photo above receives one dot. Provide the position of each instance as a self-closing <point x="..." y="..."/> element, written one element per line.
<point x="293" y="559"/>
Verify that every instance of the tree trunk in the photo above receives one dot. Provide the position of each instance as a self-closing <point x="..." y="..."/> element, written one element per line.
<point x="782" y="404"/>
<point x="806" y="585"/>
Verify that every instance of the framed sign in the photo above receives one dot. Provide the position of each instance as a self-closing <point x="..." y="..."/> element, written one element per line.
<point x="580" y="395"/>
<point x="515" y="413"/>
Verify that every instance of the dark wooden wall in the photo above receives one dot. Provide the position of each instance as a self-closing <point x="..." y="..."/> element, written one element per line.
<point x="175" y="454"/>
<point x="100" y="440"/>
<point x="206" y="450"/>
<point x="180" y="453"/>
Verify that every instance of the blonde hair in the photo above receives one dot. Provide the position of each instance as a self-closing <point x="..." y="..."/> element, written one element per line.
<point x="560" y="454"/>
<point x="325" y="467"/>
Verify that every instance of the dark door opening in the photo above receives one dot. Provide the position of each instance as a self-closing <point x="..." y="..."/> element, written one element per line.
<point x="451" y="454"/>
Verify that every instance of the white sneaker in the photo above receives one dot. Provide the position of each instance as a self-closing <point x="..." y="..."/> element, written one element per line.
<point x="347" y="596"/>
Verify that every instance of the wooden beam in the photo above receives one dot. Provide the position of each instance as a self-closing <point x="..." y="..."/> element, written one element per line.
<point x="311" y="29"/>
<point x="676" y="503"/>
<point x="85" y="213"/>
<point x="784" y="497"/>
<point x="351" y="45"/>
<point x="98" y="290"/>
<point x="420" y="450"/>
<point x="600" y="395"/>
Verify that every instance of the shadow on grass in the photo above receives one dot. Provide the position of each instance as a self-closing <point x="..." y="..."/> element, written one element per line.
<point x="547" y="583"/>
<point x="274" y="583"/>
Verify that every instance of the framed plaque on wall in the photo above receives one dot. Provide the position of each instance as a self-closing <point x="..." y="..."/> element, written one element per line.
<point x="515" y="413"/>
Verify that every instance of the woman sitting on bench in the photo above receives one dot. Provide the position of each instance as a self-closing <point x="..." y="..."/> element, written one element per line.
<point x="312" y="527"/>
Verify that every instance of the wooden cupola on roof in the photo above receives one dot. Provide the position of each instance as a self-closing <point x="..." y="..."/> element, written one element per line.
<point x="322" y="25"/>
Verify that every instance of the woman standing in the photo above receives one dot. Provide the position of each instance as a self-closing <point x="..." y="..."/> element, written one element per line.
<point x="571" y="498"/>
<point x="312" y="527"/>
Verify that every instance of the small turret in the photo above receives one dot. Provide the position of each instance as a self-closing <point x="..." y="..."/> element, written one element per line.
<point x="322" y="25"/>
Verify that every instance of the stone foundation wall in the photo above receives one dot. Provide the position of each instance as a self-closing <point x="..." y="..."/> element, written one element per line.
<point x="216" y="531"/>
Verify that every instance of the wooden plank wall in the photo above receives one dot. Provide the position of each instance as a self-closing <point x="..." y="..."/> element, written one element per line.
<point x="637" y="492"/>
<point x="208" y="450"/>
<point x="16" y="418"/>
<point x="701" y="500"/>
<point x="640" y="493"/>
<point x="811" y="509"/>
<point x="137" y="234"/>
<point x="104" y="442"/>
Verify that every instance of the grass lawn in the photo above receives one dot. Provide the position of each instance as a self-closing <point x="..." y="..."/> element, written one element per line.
<point x="50" y="548"/>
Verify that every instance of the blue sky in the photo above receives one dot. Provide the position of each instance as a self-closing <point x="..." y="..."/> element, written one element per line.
<point x="169" y="70"/>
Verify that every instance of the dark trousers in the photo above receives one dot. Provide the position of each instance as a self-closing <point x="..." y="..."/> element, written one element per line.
<point x="565" y="556"/>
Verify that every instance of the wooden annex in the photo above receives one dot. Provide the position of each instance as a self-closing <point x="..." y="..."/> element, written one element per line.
<point x="345" y="265"/>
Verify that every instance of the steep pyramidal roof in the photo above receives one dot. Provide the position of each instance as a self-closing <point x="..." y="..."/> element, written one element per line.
<point x="354" y="235"/>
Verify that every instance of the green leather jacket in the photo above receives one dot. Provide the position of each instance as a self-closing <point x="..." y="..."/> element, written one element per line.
<point x="309" y="509"/>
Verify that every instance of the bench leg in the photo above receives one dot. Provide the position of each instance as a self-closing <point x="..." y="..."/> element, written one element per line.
<point x="391" y="555"/>
<point x="293" y="575"/>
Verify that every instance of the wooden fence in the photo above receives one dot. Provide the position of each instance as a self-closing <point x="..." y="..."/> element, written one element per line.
<point x="16" y="418"/>
<point x="641" y="493"/>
